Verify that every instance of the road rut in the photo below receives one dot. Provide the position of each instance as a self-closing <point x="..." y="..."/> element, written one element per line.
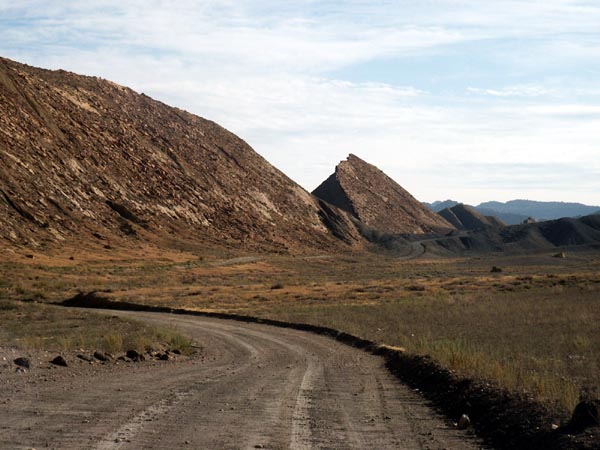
<point x="256" y="387"/>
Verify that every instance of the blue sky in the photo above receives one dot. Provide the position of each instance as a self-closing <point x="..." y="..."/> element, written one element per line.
<point x="465" y="99"/>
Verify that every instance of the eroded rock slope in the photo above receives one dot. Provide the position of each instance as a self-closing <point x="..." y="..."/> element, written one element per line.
<point x="465" y="217"/>
<point x="82" y="157"/>
<point x="378" y="201"/>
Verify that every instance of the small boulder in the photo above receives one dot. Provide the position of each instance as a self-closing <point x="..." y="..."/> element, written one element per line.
<point x="585" y="415"/>
<point x="85" y="357"/>
<point x="100" y="356"/>
<point x="59" y="361"/>
<point x="164" y="357"/>
<point x="464" y="422"/>
<point x="134" y="355"/>
<point x="22" y="362"/>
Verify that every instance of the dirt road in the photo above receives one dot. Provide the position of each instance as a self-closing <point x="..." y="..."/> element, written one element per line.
<point x="255" y="387"/>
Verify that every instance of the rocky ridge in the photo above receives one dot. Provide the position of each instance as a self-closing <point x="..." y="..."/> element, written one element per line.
<point x="464" y="217"/>
<point x="84" y="159"/>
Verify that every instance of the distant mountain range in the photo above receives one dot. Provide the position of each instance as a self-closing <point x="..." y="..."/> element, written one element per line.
<point x="516" y="211"/>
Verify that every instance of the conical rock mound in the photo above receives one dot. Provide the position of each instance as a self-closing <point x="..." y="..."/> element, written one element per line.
<point x="378" y="201"/>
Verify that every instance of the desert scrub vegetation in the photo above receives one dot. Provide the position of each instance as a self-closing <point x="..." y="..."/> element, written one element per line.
<point x="39" y="326"/>
<point x="542" y="341"/>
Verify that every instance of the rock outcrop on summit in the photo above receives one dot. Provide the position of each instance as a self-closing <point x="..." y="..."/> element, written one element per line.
<point x="85" y="160"/>
<point x="378" y="201"/>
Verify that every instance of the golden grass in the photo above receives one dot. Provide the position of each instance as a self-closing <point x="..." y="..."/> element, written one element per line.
<point x="546" y="342"/>
<point x="38" y="326"/>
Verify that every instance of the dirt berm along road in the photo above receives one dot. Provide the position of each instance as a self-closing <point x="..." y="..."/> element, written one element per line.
<point x="256" y="386"/>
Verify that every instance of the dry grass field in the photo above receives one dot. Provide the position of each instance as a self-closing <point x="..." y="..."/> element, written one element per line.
<point x="30" y="326"/>
<point x="531" y="327"/>
<point x="546" y="342"/>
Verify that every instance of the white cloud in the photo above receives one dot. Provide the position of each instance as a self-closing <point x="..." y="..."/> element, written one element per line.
<point x="262" y="69"/>
<point x="559" y="110"/>
<point x="514" y="91"/>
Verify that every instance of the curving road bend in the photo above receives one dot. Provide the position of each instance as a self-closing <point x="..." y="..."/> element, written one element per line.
<point x="255" y="387"/>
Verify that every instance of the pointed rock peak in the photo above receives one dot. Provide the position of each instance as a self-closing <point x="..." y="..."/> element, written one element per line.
<point x="353" y="158"/>
<point x="378" y="201"/>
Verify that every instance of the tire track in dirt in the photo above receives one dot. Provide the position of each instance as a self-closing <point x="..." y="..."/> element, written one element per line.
<point x="301" y="437"/>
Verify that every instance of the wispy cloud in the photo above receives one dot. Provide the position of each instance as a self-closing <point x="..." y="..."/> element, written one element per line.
<point x="573" y="110"/>
<point x="514" y="91"/>
<point x="507" y="181"/>
<point x="468" y="84"/>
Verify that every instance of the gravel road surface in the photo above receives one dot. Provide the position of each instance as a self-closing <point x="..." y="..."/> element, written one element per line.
<point x="254" y="386"/>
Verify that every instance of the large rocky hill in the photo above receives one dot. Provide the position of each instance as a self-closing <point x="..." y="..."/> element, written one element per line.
<point x="378" y="201"/>
<point x="84" y="159"/>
